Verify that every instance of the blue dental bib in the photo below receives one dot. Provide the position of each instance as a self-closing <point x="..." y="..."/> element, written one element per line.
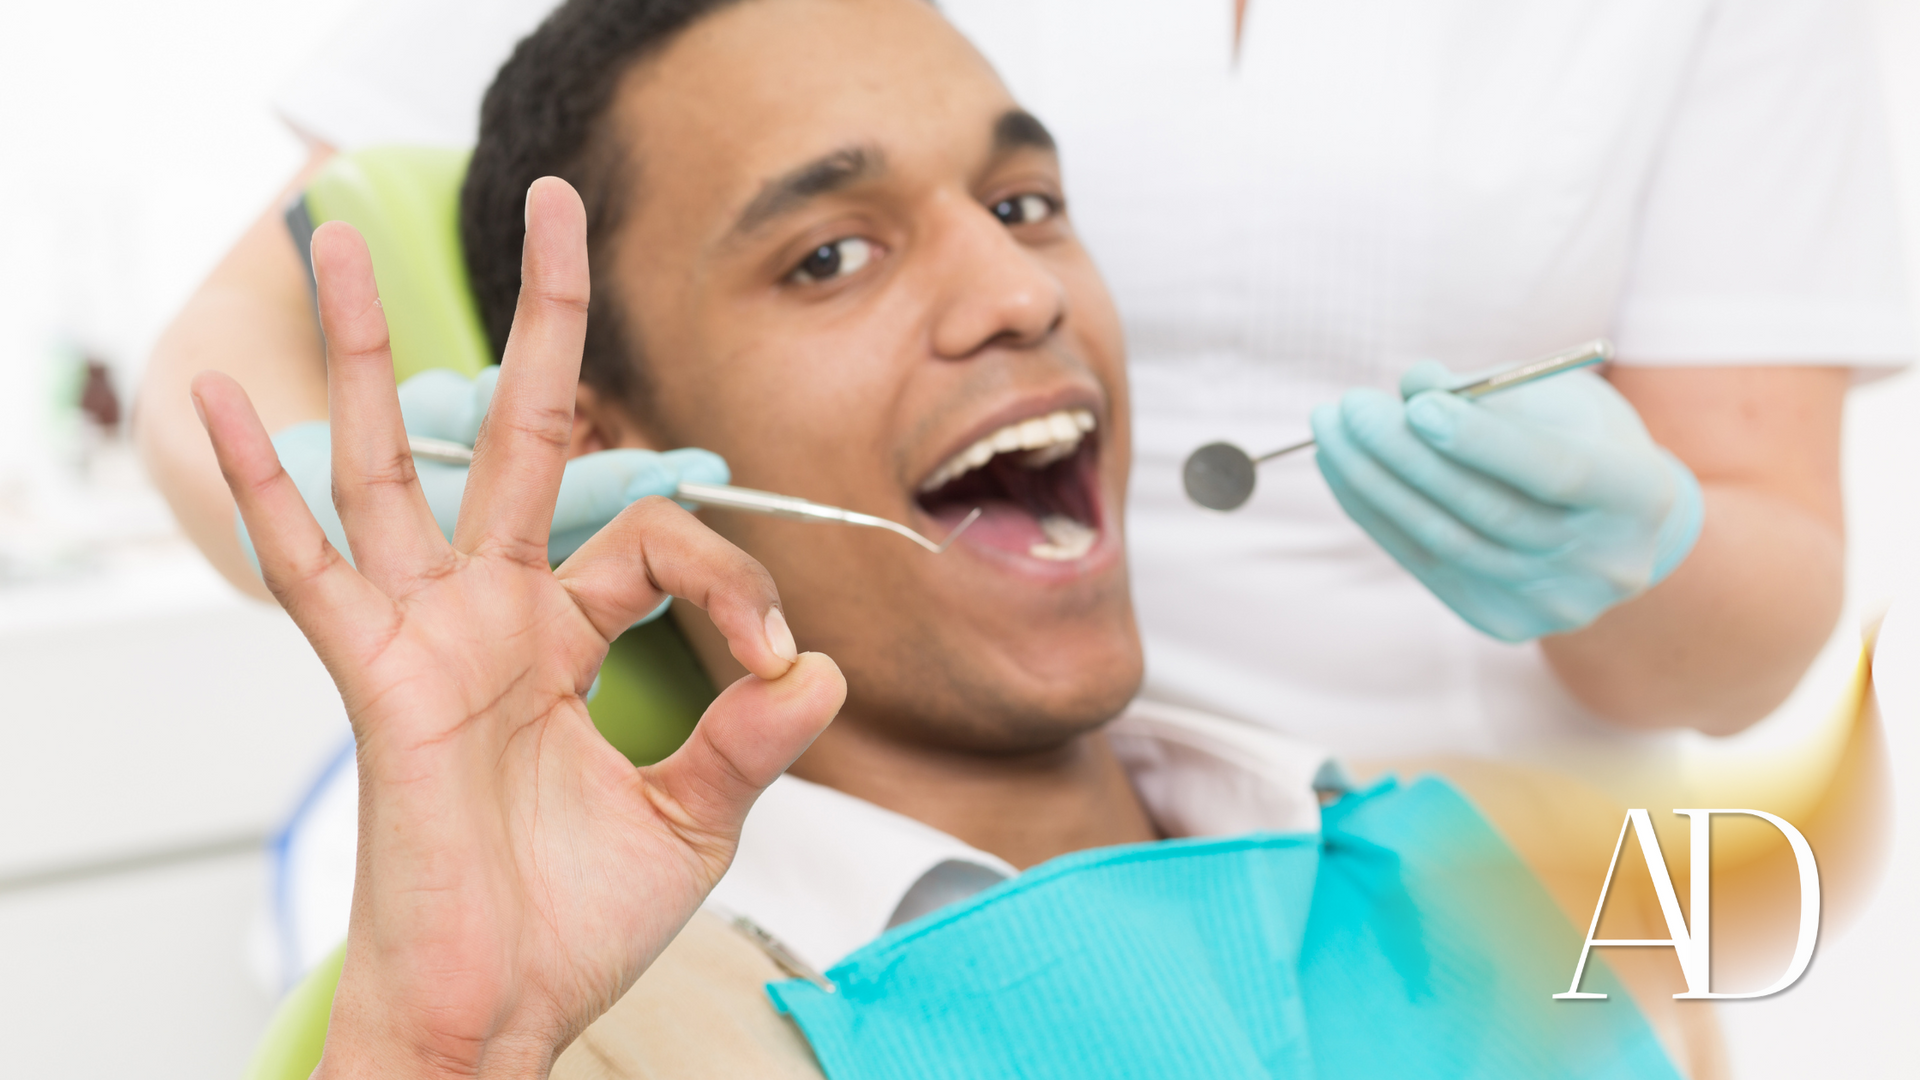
<point x="1406" y="940"/>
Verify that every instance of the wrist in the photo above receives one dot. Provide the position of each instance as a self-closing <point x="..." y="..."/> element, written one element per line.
<point x="1681" y="529"/>
<point x="386" y="1036"/>
<point x="352" y="1058"/>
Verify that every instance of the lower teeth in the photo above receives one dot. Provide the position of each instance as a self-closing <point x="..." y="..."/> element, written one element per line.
<point x="1066" y="539"/>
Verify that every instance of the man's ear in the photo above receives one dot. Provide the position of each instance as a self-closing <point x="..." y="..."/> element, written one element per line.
<point x="603" y="423"/>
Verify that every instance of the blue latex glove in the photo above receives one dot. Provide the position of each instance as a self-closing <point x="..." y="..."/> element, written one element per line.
<point x="441" y="404"/>
<point x="1528" y="512"/>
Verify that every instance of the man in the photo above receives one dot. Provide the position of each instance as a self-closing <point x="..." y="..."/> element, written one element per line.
<point x="827" y="244"/>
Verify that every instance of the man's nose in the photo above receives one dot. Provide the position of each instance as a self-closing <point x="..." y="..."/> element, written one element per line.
<point x="993" y="289"/>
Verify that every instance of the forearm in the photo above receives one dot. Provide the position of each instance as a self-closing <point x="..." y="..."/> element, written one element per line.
<point x="1721" y="642"/>
<point x="253" y="319"/>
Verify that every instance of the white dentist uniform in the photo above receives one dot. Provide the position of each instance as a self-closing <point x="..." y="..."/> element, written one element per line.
<point x="1364" y="185"/>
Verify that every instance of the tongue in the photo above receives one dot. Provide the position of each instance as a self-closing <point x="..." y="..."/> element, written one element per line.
<point x="1004" y="525"/>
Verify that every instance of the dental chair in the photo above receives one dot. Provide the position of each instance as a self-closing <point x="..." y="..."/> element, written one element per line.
<point x="405" y="201"/>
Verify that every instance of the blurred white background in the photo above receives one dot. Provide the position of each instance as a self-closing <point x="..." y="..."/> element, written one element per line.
<point x="155" y="727"/>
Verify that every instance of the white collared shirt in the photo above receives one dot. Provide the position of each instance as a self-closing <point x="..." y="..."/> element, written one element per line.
<point x="825" y="872"/>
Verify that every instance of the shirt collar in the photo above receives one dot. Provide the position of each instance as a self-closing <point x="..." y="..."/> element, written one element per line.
<point x="825" y="872"/>
<point x="822" y="871"/>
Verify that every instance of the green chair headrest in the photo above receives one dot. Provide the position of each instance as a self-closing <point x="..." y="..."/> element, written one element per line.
<point x="406" y="201"/>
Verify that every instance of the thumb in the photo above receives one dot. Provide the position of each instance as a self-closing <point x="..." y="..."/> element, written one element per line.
<point x="596" y="487"/>
<point x="747" y="738"/>
<point x="696" y="466"/>
<point x="1426" y="375"/>
<point x="306" y="453"/>
<point x="438" y="404"/>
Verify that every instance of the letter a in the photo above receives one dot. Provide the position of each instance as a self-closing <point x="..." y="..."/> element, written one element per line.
<point x="1681" y="941"/>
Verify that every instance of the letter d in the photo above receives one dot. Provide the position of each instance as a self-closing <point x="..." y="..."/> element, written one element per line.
<point x="1701" y="872"/>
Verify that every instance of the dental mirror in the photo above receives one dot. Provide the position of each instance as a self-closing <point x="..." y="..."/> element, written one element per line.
<point x="731" y="498"/>
<point x="1221" y="476"/>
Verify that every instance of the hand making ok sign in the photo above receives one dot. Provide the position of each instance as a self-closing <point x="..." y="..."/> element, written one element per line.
<point x="516" y="874"/>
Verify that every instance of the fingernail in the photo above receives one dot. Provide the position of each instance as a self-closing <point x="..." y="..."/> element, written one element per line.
<point x="1430" y="417"/>
<point x="199" y="409"/>
<point x="780" y="637"/>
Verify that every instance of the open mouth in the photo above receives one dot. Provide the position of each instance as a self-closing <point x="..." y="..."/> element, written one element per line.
<point x="1034" y="481"/>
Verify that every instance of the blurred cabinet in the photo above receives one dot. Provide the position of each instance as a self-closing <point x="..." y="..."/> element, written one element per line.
<point x="155" y="728"/>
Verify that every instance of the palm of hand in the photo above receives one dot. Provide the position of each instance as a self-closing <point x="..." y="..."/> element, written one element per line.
<point x="516" y="874"/>
<point x="470" y="698"/>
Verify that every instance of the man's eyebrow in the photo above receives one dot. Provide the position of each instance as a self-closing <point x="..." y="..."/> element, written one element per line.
<point x="1018" y="129"/>
<point x="818" y="177"/>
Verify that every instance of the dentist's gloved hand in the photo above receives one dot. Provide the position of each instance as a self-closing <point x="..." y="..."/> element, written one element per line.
<point x="1527" y="512"/>
<point x="441" y="404"/>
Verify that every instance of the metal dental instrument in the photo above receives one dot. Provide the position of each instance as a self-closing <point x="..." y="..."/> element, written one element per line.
<point x="1220" y="476"/>
<point x="787" y="506"/>
<point x="444" y="451"/>
<point x="731" y="498"/>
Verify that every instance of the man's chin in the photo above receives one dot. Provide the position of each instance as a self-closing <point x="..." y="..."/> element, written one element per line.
<point x="997" y="719"/>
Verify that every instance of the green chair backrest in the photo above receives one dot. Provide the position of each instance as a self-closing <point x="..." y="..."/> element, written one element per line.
<point x="405" y="201"/>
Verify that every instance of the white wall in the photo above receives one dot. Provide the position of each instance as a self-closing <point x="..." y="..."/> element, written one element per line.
<point x="138" y="142"/>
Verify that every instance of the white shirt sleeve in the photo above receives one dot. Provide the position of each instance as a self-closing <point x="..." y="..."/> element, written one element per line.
<point x="407" y="71"/>
<point x="1770" y="231"/>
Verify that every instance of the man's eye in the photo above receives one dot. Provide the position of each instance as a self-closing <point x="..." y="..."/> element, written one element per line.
<point x="1024" y="209"/>
<point x="829" y="261"/>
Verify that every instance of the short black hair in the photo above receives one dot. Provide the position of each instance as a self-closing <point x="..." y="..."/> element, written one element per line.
<point x="547" y="114"/>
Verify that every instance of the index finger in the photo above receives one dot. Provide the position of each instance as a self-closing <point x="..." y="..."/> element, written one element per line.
<point x="522" y="445"/>
<point x="1541" y="463"/>
<point x="1492" y="508"/>
<point x="655" y="549"/>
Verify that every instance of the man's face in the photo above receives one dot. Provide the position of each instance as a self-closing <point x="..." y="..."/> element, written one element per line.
<point x="850" y="271"/>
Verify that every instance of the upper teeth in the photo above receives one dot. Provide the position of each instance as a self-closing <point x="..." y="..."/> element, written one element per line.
<point x="1051" y="438"/>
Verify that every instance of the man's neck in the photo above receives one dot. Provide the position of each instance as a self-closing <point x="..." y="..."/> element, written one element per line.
<point x="1024" y="808"/>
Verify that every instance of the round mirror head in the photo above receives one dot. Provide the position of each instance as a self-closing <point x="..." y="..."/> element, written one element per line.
<point x="1219" y="476"/>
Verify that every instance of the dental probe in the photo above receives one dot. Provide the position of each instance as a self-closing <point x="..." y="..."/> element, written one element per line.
<point x="731" y="498"/>
<point x="794" y="509"/>
<point x="1220" y="476"/>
